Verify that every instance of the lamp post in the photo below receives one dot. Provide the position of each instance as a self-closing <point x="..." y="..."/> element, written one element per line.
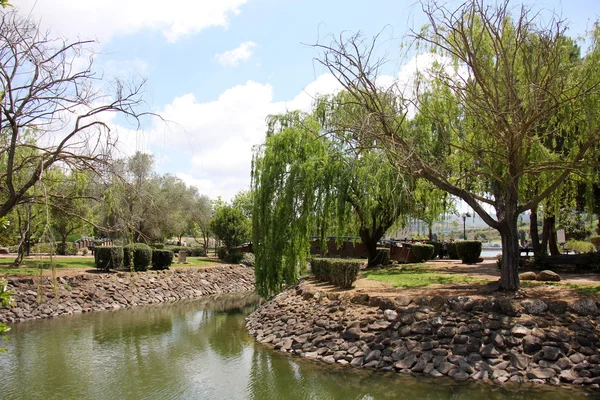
<point x="464" y="217"/>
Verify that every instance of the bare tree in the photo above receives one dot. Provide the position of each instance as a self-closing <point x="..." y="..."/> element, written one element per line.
<point x="52" y="109"/>
<point x="502" y="91"/>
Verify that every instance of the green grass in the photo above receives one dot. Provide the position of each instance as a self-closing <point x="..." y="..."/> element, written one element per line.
<point x="412" y="277"/>
<point x="33" y="266"/>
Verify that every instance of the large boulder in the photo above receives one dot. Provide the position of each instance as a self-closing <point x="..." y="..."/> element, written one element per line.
<point x="547" y="276"/>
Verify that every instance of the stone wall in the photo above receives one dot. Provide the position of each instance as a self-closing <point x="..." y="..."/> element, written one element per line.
<point x="37" y="298"/>
<point x="497" y="339"/>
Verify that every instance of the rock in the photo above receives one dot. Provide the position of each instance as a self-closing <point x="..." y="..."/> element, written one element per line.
<point x="352" y="334"/>
<point x="534" y="306"/>
<point x="547" y="276"/>
<point x="528" y="276"/>
<point x="446" y="332"/>
<point x="445" y="367"/>
<point x="541" y="373"/>
<point x="584" y="307"/>
<point x="489" y="351"/>
<point x="564" y="363"/>
<point x="403" y="300"/>
<point x="519" y="331"/>
<point x="557" y="307"/>
<point x="360" y="298"/>
<point x="437" y="303"/>
<point x="531" y="344"/>
<point x="508" y="307"/>
<point x="458" y="374"/>
<point x="577" y="358"/>
<point x="407" y="363"/>
<point x="568" y="375"/>
<point x="390" y="315"/>
<point x="383" y="303"/>
<point x="419" y="366"/>
<point x="550" y="353"/>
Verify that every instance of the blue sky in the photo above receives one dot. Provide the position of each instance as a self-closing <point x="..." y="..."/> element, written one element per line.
<point x="216" y="69"/>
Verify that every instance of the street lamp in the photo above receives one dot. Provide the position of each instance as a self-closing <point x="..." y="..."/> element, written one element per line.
<point x="464" y="217"/>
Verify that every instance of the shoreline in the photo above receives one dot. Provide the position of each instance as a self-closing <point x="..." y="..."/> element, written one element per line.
<point x="38" y="298"/>
<point x="498" y="340"/>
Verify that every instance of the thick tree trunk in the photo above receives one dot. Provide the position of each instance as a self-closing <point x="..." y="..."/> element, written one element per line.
<point x="549" y="239"/>
<point x="370" y="242"/>
<point x="509" y="275"/>
<point x="533" y="232"/>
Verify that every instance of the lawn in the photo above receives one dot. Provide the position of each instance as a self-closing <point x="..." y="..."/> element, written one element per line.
<point x="32" y="266"/>
<point x="415" y="275"/>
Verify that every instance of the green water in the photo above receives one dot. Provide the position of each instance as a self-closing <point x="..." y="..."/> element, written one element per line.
<point x="199" y="350"/>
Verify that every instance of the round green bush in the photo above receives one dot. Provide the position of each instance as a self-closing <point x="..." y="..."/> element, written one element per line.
<point x="162" y="259"/>
<point x="595" y="241"/>
<point x="452" y="251"/>
<point x="142" y="256"/>
<point x="233" y="258"/>
<point x="108" y="257"/>
<point x="469" y="251"/>
<point x="247" y="260"/>
<point x="422" y="252"/>
<point x="66" y="249"/>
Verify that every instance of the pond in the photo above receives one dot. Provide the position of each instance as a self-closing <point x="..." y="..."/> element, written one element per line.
<point x="200" y="350"/>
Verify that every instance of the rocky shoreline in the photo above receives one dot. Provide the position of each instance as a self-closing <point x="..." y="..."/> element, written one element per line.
<point x="38" y="297"/>
<point x="494" y="339"/>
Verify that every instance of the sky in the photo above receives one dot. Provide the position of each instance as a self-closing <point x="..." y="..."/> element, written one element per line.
<point x="215" y="69"/>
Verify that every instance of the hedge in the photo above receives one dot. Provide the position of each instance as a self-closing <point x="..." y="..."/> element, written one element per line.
<point x="436" y="248"/>
<point x="422" y="252"/>
<point x="66" y="249"/>
<point x="337" y="271"/>
<point x="247" y="259"/>
<point x="469" y="251"/>
<point x="161" y="259"/>
<point x="452" y="251"/>
<point x="108" y="257"/>
<point x="190" y="251"/>
<point x="595" y="241"/>
<point x="142" y="256"/>
<point x="579" y="246"/>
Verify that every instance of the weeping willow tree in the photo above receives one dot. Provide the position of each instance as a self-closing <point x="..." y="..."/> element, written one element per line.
<point x="306" y="183"/>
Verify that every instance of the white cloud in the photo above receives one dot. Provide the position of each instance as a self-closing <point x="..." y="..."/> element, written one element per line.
<point x="209" y="144"/>
<point x="232" y="58"/>
<point x="104" y="19"/>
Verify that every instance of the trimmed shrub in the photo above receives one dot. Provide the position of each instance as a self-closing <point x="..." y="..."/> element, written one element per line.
<point x="233" y="258"/>
<point x="45" y="248"/>
<point x="159" y="246"/>
<point x="469" y="251"/>
<point x="161" y="259"/>
<point x="196" y="251"/>
<point x="337" y="271"/>
<point x="579" y="246"/>
<point x="142" y="256"/>
<point x="221" y="253"/>
<point x="108" y="257"/>
<point x="436" y="248"/>
<point x="383" y="256"/>
<point x="66" y="249"/>
<point x="452" y="251"/>
<point x="595" y="241"/>
<point x="422" y="252"/>
<point x="247" y="260"/>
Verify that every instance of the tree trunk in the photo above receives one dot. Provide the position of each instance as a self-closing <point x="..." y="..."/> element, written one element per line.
<point x="370" y="242"/>
<point x="533" y="232"/>
<point x="550" y="235"/>
<point x="430" y="226"/>
<point x="509" y="275"/>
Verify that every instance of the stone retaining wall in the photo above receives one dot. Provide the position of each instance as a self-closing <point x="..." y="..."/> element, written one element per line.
<point x="497" y="339"/>
<point x="35" y="299"/>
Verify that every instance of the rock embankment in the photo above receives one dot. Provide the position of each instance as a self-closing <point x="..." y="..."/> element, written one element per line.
<point x="37" y="298"/>
<point x="497" y="339"/>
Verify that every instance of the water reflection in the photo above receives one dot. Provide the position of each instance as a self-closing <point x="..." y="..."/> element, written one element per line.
<point x="197" y="350"/>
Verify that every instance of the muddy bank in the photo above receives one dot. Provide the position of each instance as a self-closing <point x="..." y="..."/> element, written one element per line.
<point x="38" y="297"/>
<point x="496" y="339"/>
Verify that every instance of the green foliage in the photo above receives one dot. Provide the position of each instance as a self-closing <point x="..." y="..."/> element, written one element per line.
<point x="66" y="249"/>
<point x="231" y="226"/>
<point x="574" y="226"/>
<point x="233" y="257"/>
<point x="339" y="272"/>
<point x="452" y="251"/>
<point x="190" y="251"/>
<point x="595" y="241"/>
<point x="247" y="260"/>
<point x="159" y="246"/>
<point x="6" y="300"/>
<point x="161" y="258"/>
<point x="468" y="250"/>
<point x="43" y="248"/>
<point x="422" y="252"/>
<point x="579" y="246"/>
<point x="142" y="256"/>
<point x="108" y="257"/>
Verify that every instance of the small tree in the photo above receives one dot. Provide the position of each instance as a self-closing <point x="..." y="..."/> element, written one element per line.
<point x="231" y="226"/>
